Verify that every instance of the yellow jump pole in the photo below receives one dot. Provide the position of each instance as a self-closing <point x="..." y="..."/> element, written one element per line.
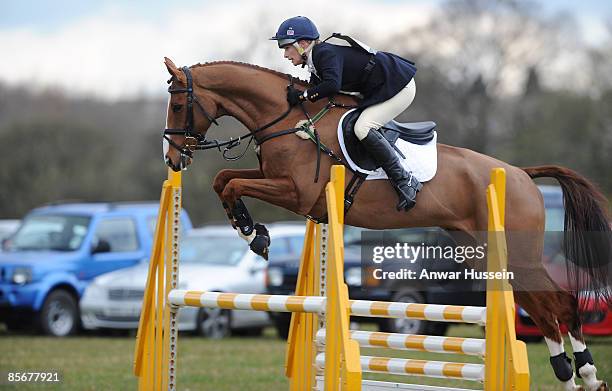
<point x="155" y="351"/>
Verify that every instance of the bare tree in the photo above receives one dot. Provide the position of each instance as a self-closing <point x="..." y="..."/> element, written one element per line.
<point x="485" y="49"/>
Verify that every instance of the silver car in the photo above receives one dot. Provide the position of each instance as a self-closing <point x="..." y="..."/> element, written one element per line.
<point x="213" y="258"/>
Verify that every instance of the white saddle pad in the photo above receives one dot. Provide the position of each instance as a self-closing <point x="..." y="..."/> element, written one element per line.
<point x="422" y="160"/>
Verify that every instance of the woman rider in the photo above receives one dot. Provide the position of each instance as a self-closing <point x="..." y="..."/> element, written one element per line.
<point x="385" y="81"/>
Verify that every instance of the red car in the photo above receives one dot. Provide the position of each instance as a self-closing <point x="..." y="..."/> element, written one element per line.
<point x="596" y="317"/>
<point x="596" y="320"/>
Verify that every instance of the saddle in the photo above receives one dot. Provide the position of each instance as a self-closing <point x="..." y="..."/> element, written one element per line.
<point x="413" y="132"/>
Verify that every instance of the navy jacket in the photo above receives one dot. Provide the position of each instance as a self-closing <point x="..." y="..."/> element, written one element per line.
<point x="342" y="68"/>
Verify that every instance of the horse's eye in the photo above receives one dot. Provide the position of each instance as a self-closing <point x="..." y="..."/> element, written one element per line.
<point x="176" y="108"/>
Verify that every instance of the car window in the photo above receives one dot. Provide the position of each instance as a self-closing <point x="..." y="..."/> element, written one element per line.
<point x="120" y="233"/>
<point x="152" y="222"/>
<point x="296" y="243"/>
<point x="279" y="247"/>
<point x="50" y="232"/>
<point x="212" y="250"/>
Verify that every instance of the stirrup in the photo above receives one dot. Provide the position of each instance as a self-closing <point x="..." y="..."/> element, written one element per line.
<point x="405" y="201"/>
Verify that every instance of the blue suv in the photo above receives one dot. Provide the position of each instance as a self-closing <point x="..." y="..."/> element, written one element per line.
<point x="59" y="249"/>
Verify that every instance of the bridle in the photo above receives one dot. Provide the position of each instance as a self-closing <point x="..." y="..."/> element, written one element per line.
<point x="195" y="140"/>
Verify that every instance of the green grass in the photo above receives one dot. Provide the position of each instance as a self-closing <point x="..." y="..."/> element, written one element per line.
<point x="105" y="363"/>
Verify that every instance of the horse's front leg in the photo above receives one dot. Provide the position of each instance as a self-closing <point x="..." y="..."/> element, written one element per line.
<point x="277" y="191"/>
<point x="224" y="176"/>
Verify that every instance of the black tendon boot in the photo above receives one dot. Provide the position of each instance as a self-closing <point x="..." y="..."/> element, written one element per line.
<point x="405" y="184"/>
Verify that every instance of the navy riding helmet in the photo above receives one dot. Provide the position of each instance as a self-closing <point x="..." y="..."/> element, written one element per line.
<point x="294" y="29"/>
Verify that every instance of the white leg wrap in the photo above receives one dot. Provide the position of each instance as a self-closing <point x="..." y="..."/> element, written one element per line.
<point x="555" y="348"/>
<point x="587" y="371"/>
<point x="249" y="238"/>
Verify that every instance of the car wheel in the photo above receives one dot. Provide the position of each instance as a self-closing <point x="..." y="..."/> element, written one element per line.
<point x="406" y="326"/>
<point x="214" y="323"/>
<point x="59" y="314"/>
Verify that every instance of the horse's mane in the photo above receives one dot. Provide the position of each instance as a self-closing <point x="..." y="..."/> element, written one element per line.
<point x="245" y="64"/>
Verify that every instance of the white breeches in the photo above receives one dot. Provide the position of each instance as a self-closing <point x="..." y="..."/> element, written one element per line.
<point x="379" y="114"/>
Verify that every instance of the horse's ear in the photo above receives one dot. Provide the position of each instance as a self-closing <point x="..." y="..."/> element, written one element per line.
<point x="174" y="71"/>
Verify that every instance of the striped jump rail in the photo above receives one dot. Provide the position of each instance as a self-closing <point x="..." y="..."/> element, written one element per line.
<point x="376" y="385"/>
<point x="423" y="343"/>
<point x="406" y="366"/>
<point x="316" y="304"/>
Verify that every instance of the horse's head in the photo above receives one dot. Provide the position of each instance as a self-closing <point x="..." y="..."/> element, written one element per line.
<point x="186" y="126"/>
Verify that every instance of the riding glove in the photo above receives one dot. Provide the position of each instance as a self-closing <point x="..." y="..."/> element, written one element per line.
<point x="294" y="96"/>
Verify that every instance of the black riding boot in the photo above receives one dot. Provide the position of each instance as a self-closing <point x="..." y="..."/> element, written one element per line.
<point x="405" y="184"/>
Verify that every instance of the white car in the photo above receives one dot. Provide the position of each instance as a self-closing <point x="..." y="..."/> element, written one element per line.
<point x="213" y="258"/>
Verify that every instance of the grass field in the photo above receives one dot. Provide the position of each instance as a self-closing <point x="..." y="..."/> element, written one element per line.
<point x="105" y="363"/>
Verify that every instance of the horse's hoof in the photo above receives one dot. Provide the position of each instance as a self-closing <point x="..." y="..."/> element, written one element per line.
<point x="261" y="243"/>
<point x="603" y="387"/>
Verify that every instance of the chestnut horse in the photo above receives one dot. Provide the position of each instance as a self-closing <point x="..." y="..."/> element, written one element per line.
<point x="454" y="199"/>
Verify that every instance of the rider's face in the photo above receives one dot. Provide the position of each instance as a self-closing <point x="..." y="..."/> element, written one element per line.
<point x="292" y="55"/>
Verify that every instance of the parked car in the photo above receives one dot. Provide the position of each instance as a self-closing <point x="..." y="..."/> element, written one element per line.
<point x="595" y="315"/>
<point x="59" y="249"/>
<point x="283" y="272"/>
<point x="213" y="258"/>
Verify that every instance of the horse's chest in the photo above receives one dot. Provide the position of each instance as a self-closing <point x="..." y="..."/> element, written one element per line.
<point x="276" y="161"/>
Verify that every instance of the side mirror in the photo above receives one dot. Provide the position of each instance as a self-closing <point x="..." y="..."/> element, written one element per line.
<point x="103" y="246"/>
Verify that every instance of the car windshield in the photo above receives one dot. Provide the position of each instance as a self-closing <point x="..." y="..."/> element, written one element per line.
<point x="50" y="232"/>
<point x="212" y="250"/>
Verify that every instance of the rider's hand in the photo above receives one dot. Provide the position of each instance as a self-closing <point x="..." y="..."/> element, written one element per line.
<point x="294" y="96"/>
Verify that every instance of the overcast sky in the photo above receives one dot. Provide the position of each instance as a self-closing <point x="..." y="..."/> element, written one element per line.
<point x="113" y="49"/>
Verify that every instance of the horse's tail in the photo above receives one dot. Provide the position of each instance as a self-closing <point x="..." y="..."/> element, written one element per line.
<point x="587" y="241"/>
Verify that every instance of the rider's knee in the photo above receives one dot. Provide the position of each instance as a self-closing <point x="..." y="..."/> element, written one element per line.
<point x="361" y="130"/>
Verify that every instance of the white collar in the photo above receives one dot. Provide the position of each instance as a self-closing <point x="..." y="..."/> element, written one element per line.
<point x="309" y="62"/>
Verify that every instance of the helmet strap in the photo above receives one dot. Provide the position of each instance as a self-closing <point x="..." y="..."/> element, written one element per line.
<point x="304" y="52"/>
<point x="299" y="49"/>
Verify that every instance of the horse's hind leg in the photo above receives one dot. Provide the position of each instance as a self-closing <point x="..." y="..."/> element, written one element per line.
<point x="585" y="366"/>
<point x="549" y="306"/>
<point x="540" y="306"/>
<point x="566" y="312"/>
<point x="548" y="309"/>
